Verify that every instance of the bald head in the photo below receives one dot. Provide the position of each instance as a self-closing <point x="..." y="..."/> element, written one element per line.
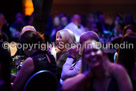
<point x="76" y="19"/>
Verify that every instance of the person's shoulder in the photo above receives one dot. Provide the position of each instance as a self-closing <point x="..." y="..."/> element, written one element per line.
<point x="28" y="65"/>
<point x="69" y="25"/>
<point x="122" y="78"/>
<point x="28" y="62"/>
<point x="29" y="59"/>
<point x="117" y="69"/>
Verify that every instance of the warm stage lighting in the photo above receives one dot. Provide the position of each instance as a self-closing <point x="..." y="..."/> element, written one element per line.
<point x="28" y="7"/>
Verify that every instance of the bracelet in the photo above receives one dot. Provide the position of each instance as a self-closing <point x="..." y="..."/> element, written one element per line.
<point x="69" y="56"/>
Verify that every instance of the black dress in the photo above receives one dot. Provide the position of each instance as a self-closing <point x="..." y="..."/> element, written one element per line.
<point x="41" y="62"/>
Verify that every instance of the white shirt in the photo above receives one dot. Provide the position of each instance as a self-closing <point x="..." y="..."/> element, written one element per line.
<point x="77" y="31"/>
<point x="69" y="70"/>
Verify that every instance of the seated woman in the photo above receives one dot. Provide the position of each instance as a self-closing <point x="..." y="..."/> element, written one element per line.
<point x="103" y="75"/>
<point x="38" y="59"/>
<point x="64" y="39"/>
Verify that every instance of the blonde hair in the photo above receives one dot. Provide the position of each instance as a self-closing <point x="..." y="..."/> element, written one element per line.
<point x="67" y="36"/>
<point x="28" y="28"/>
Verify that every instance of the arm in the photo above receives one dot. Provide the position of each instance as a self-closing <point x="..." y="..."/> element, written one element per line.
<point x="123" y="80"/>
<point x="24" y="73"/>
<point x="67" y="72"/>
<point x="71" y="84"/>
<point x="77" y="83"/>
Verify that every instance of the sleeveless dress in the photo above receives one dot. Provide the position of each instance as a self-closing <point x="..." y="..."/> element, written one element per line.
<point x="41" y="61"/>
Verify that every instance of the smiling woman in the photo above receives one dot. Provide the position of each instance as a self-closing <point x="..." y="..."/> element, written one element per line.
<point x="102" y="76"/>
<point x="63" y="37"/>
<point x="93" y="56"/>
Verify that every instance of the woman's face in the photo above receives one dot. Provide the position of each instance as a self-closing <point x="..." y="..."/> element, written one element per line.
<point x="59" y="41"/>
<point x="93" y="56"/>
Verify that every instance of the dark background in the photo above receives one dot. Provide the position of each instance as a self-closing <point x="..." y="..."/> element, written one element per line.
<point x="10" y="8"/>
<point x="108" y="7"/>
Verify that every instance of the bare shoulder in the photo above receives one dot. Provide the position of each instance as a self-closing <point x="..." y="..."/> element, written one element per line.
<point x="25" y="71"/>
<point x="29" y="59"/>
<point x="117" y="69"/>
<point x="28" y="64"/>
<point x="122" y="78"/>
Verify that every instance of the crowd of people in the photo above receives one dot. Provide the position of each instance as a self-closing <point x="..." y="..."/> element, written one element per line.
<point x="69" y="56"/>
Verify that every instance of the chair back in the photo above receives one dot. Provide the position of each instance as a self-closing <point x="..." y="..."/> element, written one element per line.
<point x="43" y="80"/>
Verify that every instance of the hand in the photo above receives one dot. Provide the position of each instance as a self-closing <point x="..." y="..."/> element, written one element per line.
<point x="73" y="52"/>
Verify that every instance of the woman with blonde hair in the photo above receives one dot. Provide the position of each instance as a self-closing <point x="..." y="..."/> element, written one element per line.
<point x="64" y="39"/>
<point x="67" y="37"/>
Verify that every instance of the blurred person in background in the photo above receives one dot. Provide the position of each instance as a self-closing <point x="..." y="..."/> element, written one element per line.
<point x="4" y="28"/>
<point x="64" y="20"/>
<point x="102" y="26"/>
<point x="75" y="26"/>
<point x="127" y="56"/>
<point x="117" y="26"/>
<point x="17" y="26"/>
<point x="91" y="26"/>
<point x="129" y="20"/>
<point x="56" y="27"/>
<point x="129" y="29"/>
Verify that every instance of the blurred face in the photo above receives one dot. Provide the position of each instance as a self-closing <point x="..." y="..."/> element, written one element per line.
<point x="118" y="27"/>
<point x="56" y="21"/>
<point x="77" y="19"/>
<point x="19" y="17"/>
<point x="101" y="18"/>
<point x="93" y="56"/>
<point x="64" y="21"/>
